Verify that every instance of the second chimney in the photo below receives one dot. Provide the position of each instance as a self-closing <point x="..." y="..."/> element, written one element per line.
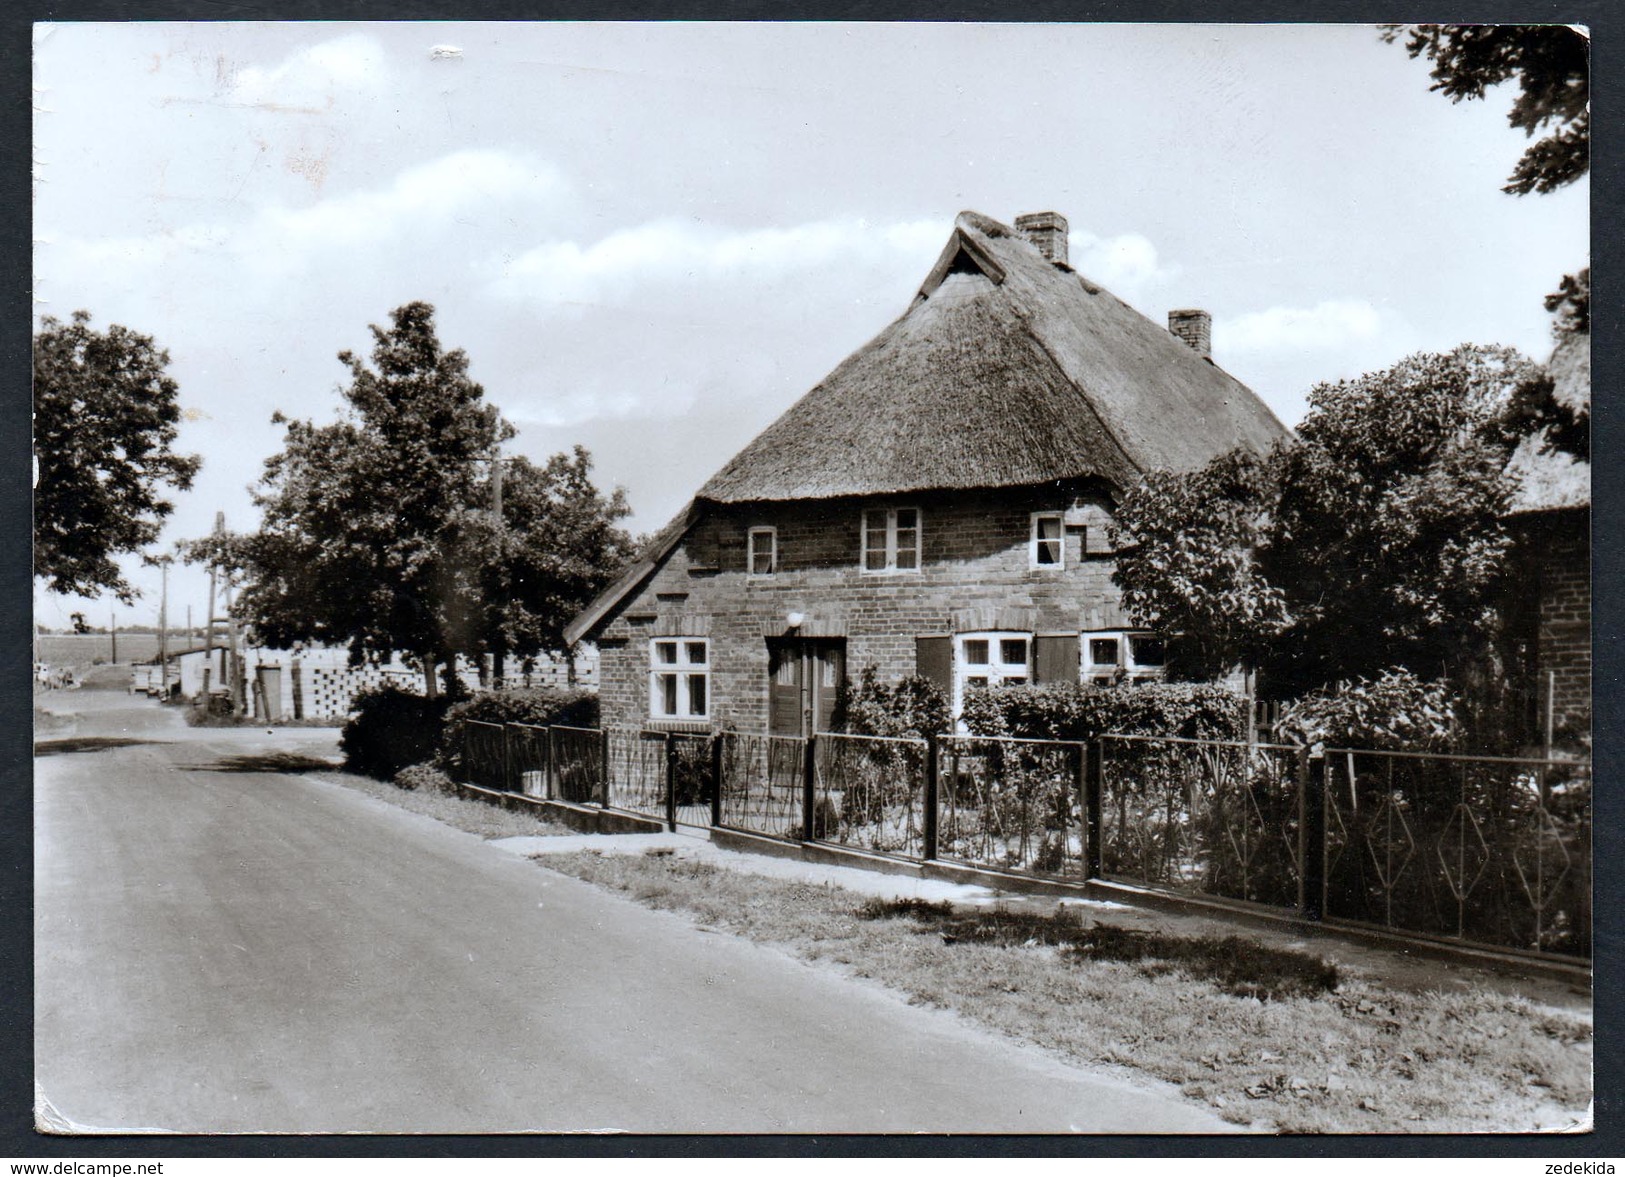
<point x="1195" y="328"/>
<point x="1047" y="231"/>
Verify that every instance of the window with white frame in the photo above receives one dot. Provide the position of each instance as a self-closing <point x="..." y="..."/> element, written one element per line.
<point x="891" y="540"/>
<point x="679" y="678"/>
<point x="990" y="659"/>
<point x="1115" y="655"/>
<point x="762" y="551"/>
<point x="1046" y="547"/>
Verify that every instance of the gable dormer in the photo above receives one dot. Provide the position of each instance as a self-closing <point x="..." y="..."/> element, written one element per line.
<point x="962" y="255"/>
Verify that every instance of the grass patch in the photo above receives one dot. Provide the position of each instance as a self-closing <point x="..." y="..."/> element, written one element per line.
<point x="1316" y="1053"/>
<point x="472" y="817"/>
<point x="1237" y="966"/>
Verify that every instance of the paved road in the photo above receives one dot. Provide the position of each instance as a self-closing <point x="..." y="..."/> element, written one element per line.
<point x="224" y="948"/>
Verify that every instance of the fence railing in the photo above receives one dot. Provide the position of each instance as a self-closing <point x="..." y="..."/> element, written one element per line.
<point x="762" y="784"/>
<point x="1011" y="804"/>
<point x="485" y="754"/>
<point x="1496" y="851"/>
<point x="1209" y="817"/>
<point x="869" y="792"/>
<point x="1489" y="851"/>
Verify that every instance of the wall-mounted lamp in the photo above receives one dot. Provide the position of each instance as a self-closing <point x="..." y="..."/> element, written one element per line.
<point x="794" y="620"/>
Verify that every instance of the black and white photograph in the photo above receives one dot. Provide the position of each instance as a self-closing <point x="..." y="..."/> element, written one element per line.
<point x="811" y="578"/>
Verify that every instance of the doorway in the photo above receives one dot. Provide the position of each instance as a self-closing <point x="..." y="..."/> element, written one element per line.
<point x="804" y="678"/>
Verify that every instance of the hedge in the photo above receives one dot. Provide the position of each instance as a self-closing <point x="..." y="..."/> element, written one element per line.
<point x="537" y="706"/>
<point x="1084" y="711"/>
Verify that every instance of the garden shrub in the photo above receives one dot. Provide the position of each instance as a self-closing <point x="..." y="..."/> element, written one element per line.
<point x="1084" y="711"/>
<point x="1395" y="711"/>
<point x="537" y="706"/>
<point x="915" y="706"/>
<point x="423" y="778"/>
<point x="390" y="730"/>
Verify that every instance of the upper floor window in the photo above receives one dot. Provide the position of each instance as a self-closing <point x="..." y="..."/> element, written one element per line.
<point x="762" y="551"/>
<point x="679" y="678"/>
<point x="1046" y="546"/>
<point x="891" y="539"/>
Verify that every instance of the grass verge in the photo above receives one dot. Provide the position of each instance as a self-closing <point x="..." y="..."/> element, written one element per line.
<point x="472" y="817"/>
<point x="1259" y="1034"/>
<point x="200" y="717"/>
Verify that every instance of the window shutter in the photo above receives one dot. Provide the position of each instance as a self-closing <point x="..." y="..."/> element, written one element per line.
<point x="934" y="659"/>
<point x="1055" y="658"/>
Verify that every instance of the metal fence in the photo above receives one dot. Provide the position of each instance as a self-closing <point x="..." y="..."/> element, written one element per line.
<point x="1496" y="851"/>
<point x="1489" y="851"/>
<point x="1208" y="817"/>
<point x="635" y="771"/>
<point x="527" y="759"/>
<point x="762" y="784"/>
<point x="869" y="792"/>
<point x="577" y="772"/>
<point x="485" y="754"/>
<point x="1011" y="804"/>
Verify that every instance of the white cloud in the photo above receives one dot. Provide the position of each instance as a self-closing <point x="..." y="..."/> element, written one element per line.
<point x="1327" y="325"/>
<point x="421" y="203"/>
<point x="430" y="194"/>
<point x="313" y="76"/>
<point x="669" y="253"/>
<point x="1126" y="264"/>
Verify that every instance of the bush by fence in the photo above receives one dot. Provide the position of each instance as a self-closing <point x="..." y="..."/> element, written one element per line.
<point x="536" y="707"/>
<point x="1084" y="711"/>
<point x="390" y="730"/>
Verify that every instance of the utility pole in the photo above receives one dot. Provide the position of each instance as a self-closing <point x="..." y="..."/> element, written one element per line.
<point x="499" y="658"/>
<point x="112" y="628"/>
<point x="163" y="630"/>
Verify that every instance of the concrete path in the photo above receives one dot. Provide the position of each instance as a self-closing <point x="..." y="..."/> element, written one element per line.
<point x="220" y="946"/>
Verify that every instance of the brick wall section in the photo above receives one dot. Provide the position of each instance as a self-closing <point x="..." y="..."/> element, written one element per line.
<point x="976" y="575"/>
<point x="1564" y="642"/>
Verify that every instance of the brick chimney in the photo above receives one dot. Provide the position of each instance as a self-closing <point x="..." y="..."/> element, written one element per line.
<point x="1195" y="328"/>
<point x="1047" y="231"/>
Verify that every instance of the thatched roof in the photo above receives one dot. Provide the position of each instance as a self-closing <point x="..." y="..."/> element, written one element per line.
<point x="1007" y="370"/>
<point x="1556" y="481"/>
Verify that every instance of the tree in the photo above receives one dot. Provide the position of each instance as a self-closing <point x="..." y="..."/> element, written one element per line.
<point x="1374" y="542"/>
<point x="383" y="531"/>
<point x="556" y="546"/>
<point x="106" y="414"/>
<point x="1188" y="547"/>
<point x="350" y="549"/>
<point x="1552" y="65"/>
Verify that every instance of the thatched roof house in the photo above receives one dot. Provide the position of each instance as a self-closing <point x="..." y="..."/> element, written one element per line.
<point x="1009" y="369"/>
<point x="1550" y="480"/>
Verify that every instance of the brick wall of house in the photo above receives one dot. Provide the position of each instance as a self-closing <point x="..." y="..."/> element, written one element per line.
<point x="1564" y="642"/>
<point x="976" y="575"/>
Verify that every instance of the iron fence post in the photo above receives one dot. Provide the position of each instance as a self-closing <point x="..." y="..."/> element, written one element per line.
<point x="1311" y="835"/>
<point x="671" y="781"/>
<point x="929" y="834"/>
<point x="717" y="748"/>
<point x="508" y="776"/>
<point x="550" y="789"/>
<point x="603" y="768"/>
<point x="809" y="783"/>
<point x="463" y="767"/>
<point x="1094" y="753"/>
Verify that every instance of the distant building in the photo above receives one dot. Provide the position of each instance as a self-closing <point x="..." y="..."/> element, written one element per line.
<point x="937" y="505"/>
<point x="320" y="683"/>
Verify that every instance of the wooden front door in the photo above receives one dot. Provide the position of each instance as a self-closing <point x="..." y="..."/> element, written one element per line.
<point x="804" y="677"/>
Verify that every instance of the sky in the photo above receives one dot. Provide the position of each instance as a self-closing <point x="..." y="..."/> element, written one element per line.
<point x="651" y="239"/>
